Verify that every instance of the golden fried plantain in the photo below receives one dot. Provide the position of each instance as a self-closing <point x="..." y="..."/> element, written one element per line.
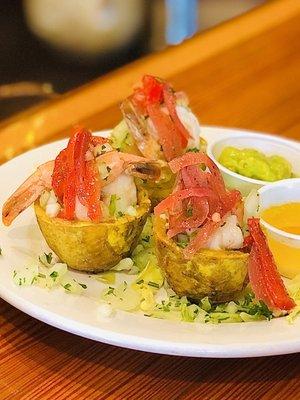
<point x="218" y="274"/>
<point x="89" y="246"/>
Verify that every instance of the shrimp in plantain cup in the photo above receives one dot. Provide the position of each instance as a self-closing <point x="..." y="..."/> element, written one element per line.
<point x="200" y="243"/>
<point x="157" y="124"/>
<point x="87" y="203"/>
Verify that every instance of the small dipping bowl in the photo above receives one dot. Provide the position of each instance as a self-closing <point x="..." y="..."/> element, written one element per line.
<point x="267" y="144"/>
<point x="284" y="246"/>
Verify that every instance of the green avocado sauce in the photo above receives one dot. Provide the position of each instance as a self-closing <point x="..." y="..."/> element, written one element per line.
<point x="255" y="164"/>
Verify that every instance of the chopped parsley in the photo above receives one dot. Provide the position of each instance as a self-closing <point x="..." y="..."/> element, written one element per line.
<point x="146" y="239"/>
<point x="45" y="259"/>
<point x="48" y="257"/>
<point x="21" y="281"/>
<point x="54" y="275"/>
<point x="67" y="286"/>
<point x="83" y="285"/>
<point x="193" y="150"/>
<point x="153" y="284"/>
<point x="111" y="290"/>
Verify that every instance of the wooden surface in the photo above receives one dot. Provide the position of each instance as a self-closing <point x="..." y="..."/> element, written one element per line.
<point x="245" y="73"/>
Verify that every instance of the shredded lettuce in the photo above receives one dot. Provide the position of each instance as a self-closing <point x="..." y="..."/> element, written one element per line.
<point x="146" y="291"/>
<point x="46" y="273"/>
<point x="245" y="310"/>
<point x="144" y="253"/>
<point x="106" y="277"/>
<point x="26" y="276"/>
<point x="112" y="205"/>
<point x="126" y="265"/>
<point x="122" y="297"/>
<point x="121" y="137"/>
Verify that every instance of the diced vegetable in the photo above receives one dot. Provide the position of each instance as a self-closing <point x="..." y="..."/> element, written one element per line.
<point x="26" y="276"/>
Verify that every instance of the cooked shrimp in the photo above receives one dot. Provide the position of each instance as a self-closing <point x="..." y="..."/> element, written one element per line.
<point x="160" y="121"/>
<point x="125" y="192"/>
<point x="191" y="123"/>
<point x="227" y="236"/>
<point x="116" y="162"/>
<point x="146" y="143"/>
<point x="28" y="192"/>
<point x="111" y="165"/>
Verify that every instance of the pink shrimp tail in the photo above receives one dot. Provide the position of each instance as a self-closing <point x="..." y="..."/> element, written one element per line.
<point x="28" y="192"/>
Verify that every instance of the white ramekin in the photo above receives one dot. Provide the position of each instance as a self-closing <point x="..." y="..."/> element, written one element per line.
<point x="268" y="144"/>
<point x="277" y="193"/>
<point x="285" y="246"/>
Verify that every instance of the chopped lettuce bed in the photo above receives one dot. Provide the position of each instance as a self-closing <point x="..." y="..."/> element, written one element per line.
<point x="137" y="284"/>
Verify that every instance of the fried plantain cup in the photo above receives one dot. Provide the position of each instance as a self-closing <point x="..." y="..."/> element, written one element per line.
<point x="89" y="246"/>
<point x="219" y="274"/>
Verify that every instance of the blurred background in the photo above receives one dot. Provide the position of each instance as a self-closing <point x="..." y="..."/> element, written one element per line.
<point x="51" y="46"/>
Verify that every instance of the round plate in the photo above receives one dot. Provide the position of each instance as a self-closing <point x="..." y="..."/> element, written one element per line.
<point x="79" y="314"/>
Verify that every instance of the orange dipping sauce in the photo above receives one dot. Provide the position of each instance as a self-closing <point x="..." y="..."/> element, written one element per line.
<point x="285" y="217"/>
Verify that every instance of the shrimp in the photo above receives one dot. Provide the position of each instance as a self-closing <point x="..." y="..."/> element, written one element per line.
<point x="159" y="120"/>
<point x="28" y="192"/>
<point x="124" y="191"/>
<point x="191" y="123"/>
<point x="227" y="236"/>
<point x="115" y="164"/>
<point x="139" y="129"/>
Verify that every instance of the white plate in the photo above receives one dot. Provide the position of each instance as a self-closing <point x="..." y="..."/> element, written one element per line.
<point x="79" y="314"/>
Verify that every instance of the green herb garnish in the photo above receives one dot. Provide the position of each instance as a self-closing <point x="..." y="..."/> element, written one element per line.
<point x="48" y="257"/>
<point x="111" y="290"/>
<point x="67" y="286"/>
<point x="83" y="285"/>
<point x="54" y="275"/>
<point x="153" y="284"/>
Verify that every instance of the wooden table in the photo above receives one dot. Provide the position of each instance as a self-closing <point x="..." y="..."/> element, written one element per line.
<point x="245" y="73"/>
